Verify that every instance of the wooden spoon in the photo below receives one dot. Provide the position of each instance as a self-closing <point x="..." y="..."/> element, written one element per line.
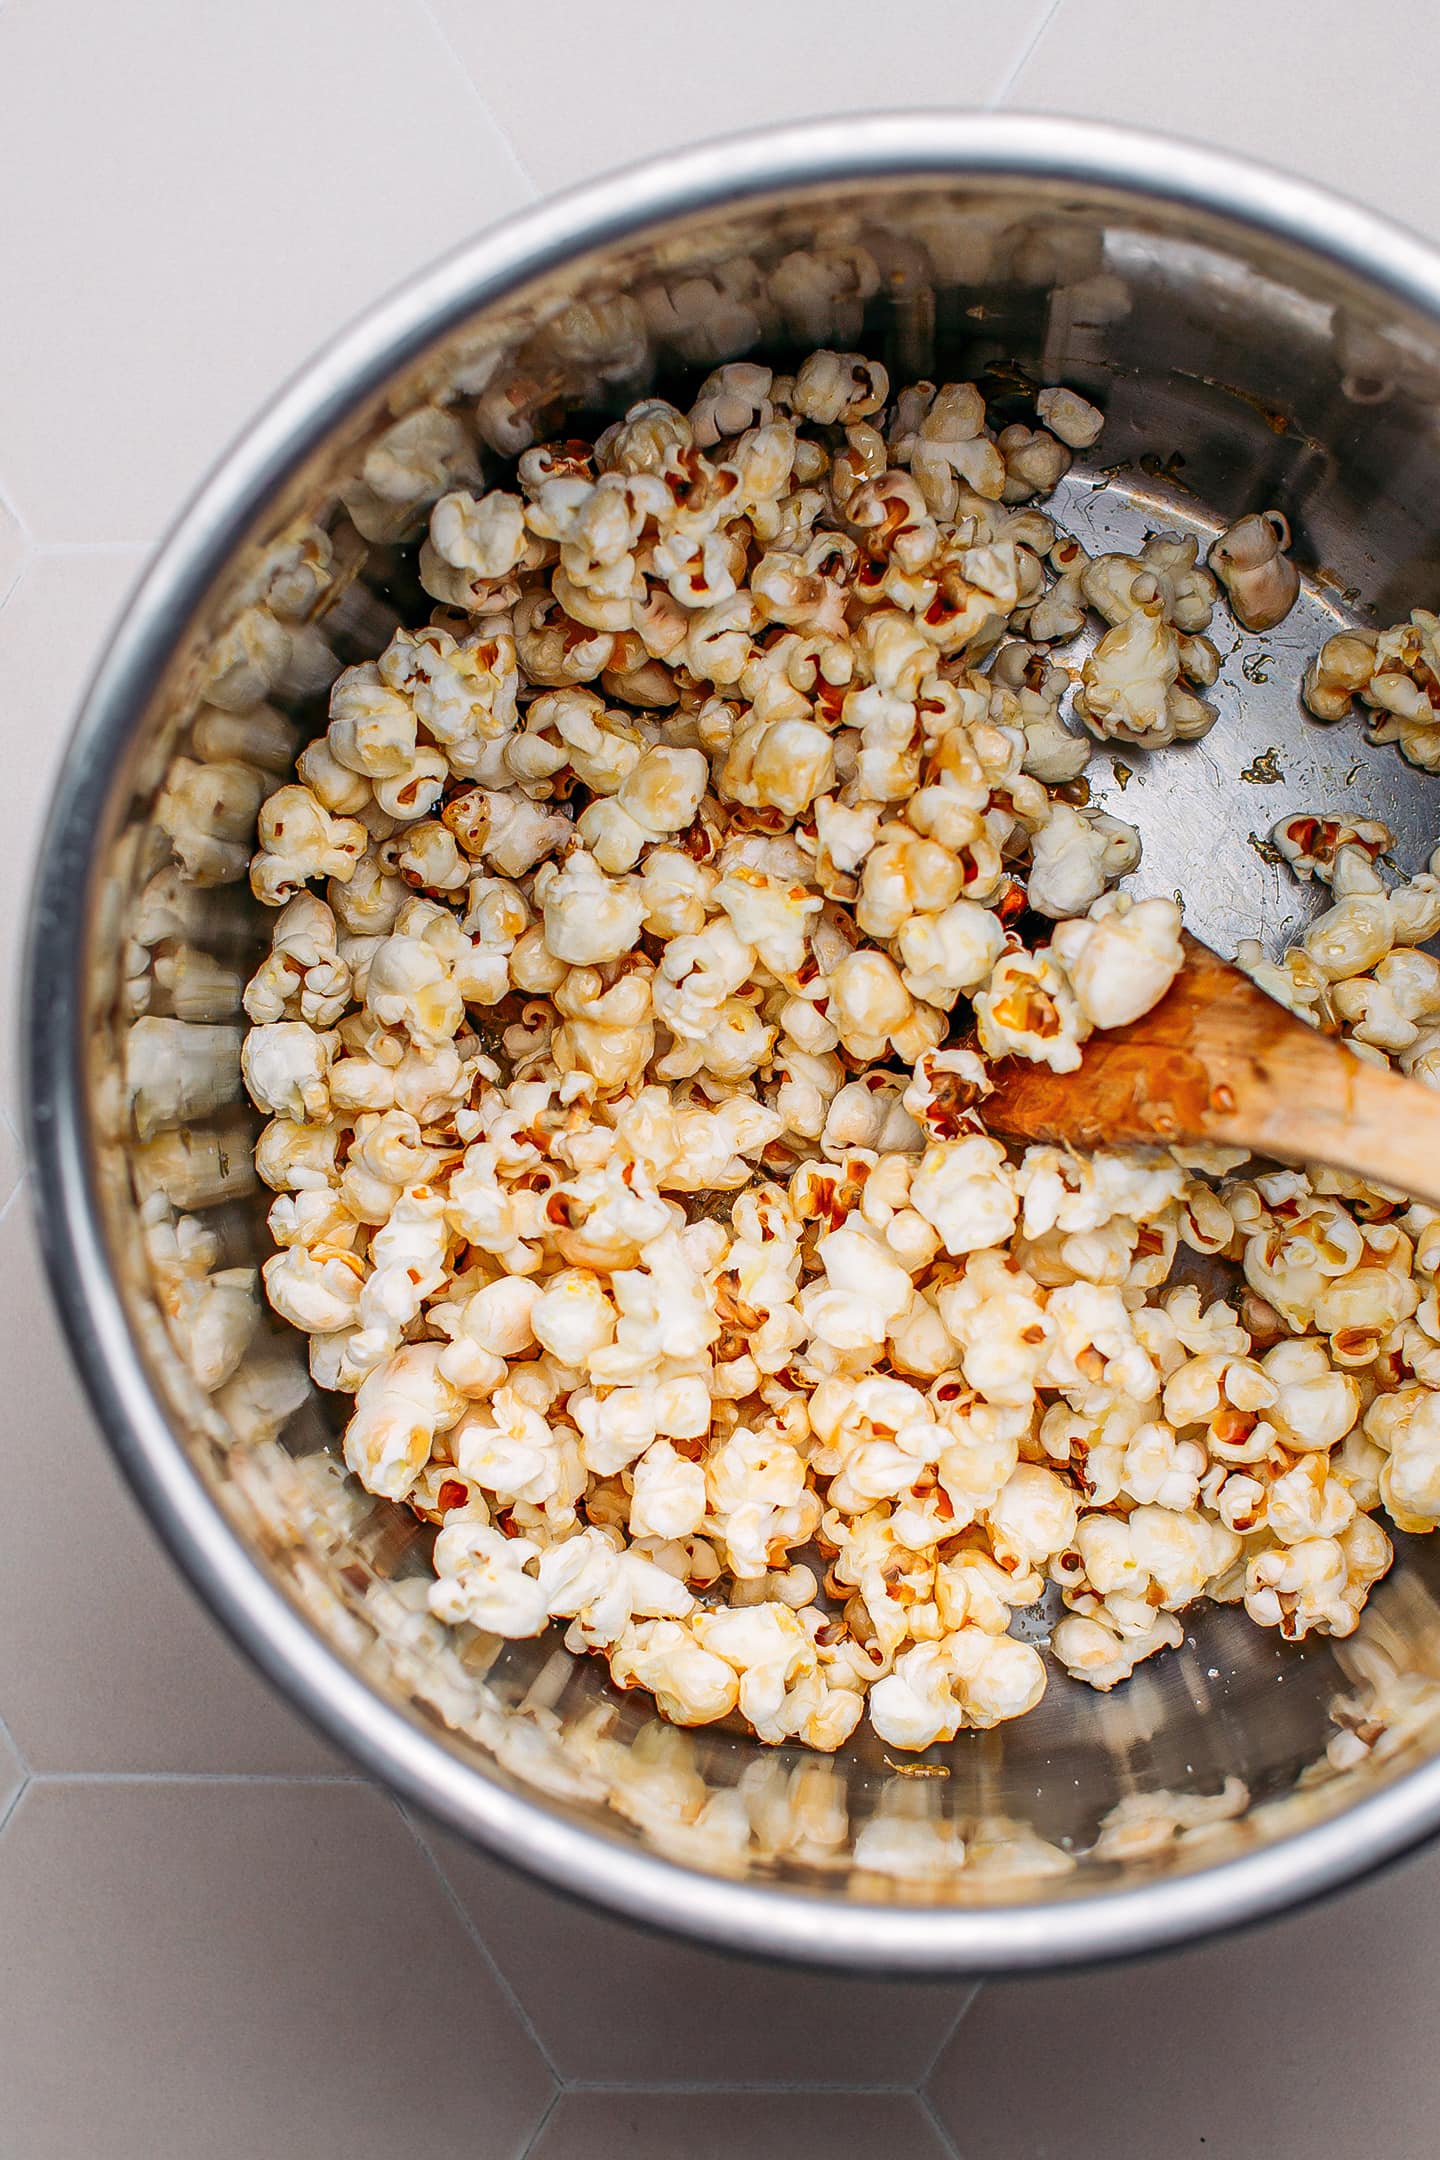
<point x="1217" y="1060"/>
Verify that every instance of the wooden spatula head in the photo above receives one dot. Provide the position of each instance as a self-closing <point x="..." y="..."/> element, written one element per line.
<point x="1218" y="1061"/>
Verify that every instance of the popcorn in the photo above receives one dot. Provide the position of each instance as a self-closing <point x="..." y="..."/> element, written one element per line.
<point x="690" y="1684"/>
<point x="1350" y="938"/>
<point x="1029" y="1009"/>
<point x="572" y="1317"/>
<point x="488" y="1580"/>
<point x="1410" y="1479"/>
<point x="286" y="1066"/>
<point x="299" y="840"/>
<point x="948" y="954"/>
<point x="667" y="1496"/>
<point x="588" y="917"/>
<point x="618" y="1172"/>
<point x="1067" y="864"/>
<point x="1260" y="580"/>
<point x="969" y="1678"/>
<point x="1340" y="672"/>
<point x="1121" y="959"/>
<point x="1163" y="574"/>
<point x="1070" y="417"/>
<point x="1130" y="686"/>
<point x="304" y="977"/>
<point x="780" y="764"/>
<point x="966" y="1189"/>
<point x="864" y="1291"/>
<point x="399" y="1410"/>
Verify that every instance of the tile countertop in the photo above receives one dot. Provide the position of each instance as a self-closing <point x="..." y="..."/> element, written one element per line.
<point x="215" y="1938"/>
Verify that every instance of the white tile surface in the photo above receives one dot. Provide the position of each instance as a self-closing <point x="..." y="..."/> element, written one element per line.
<point x="107" y="1660"/>
<point x="194" y="195"/>
<point x="1312" y="2037"/>
<point x="690" y="72"/>
<point x="614" y="2006"/>
<point x="208" y="191"/>
<point x="1336" y="93"/>
<point x="242" y="1969"/>
<point x="52" y="630"/>
<point x="737" y="2126"/>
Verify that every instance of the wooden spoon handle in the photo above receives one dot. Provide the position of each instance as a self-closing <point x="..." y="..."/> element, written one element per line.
<point x="1219" y="1061"/>
<point x="1330" y="1107"/>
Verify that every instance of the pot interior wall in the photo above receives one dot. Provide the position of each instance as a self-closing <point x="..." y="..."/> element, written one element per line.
<point x="1235" y="375"/>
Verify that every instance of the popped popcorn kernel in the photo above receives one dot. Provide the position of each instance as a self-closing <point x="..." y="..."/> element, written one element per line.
<point x="626" y="1125"/>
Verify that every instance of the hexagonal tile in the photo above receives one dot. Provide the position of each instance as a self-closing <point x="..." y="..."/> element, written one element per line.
<point x="606" y="106"/>
<point x="238" y="1968"/>
<point x="1314" y="2035"/>
<point x="1360" y="128"/>
<point x="208" y="193"/>
<point x="726" y="2125"/>
<point x="107" y="1659"/>
<point x="620" y="2006"/>
<point x="52" y="629"/>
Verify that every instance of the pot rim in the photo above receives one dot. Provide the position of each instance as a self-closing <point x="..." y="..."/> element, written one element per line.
<point x="779" y="1922"/>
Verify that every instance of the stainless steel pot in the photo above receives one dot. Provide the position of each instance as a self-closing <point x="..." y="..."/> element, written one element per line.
<point x="1256" y="344"/>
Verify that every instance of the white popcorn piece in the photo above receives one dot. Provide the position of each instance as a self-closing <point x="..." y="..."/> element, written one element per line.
<point x="588" y="917"/>
<point x="970" y="1678"/>
<point x="1131" y="690"/>
<point x="690" y="1684"/>
<point x="286" y="1067"/>
<point x="398" y="1412"/>
<point x="489" y="1580"/>
<point x="780" y="764"/>
<point x="1029" y="1009"/>
<point x="1122" y="958"/>
<point x="619" y="1174"/>
<point x="1410" y="1479"/>
<point x="572" y="1317"/>
<point x="1340" y="672"/>
<point x="667" y="1494"/>
<point x="299" y="840"/>
<point x="1069" y="417"/>
<point x="1068" y="868"/>
<point x="966" y="1189"/>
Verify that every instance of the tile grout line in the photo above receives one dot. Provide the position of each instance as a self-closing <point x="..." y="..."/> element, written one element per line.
<point x="1025" y="55"/>
<point x="16" y="1797"/>
<point x="506" y="143"/>
<point x="534" y="2138"/>
<point x="941" y="2127"/>
<point x="948" y="2035"/>
<point x="681" y="2086"/>
<point x="5" y="1733"/>
<point x="502" y="1978"/>
<point x="27" y="538"/>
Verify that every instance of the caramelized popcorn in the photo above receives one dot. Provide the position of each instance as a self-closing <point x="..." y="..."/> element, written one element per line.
<point x="626" y="1075"/>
